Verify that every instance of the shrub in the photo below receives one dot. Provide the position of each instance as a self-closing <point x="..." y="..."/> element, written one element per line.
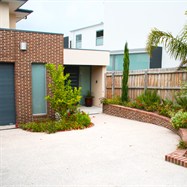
<point x="179" y="120"/>
<point x="182" y="101"/>
<point x="167" y="108"/>
<point x="125" y="78"/>
<point x="116" y="100"/>
<point x="181" y="97"/>
<point x="79" y="120"/>
<point x="63" y="97"/>
<point x="83" y="119"/>
<point x="149" y="100"/>
<point x="182" y="145"/>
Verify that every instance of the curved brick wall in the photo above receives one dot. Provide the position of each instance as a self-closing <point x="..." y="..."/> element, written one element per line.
<point x="139" y="115"/>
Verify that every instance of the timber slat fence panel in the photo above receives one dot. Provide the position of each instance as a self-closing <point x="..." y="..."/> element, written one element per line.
<point x="166" y="81"/>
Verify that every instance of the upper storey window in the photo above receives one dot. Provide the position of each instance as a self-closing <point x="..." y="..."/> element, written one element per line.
<point x="99" y="37"/>
<point x="79" y="41"/>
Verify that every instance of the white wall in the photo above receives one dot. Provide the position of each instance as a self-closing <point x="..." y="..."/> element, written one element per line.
<point x="4" y="15"/>
<point x="132" y="22"/>
<point x="12" y="21"/>
<point x="86" y="57"/>
<point x="98" y="83"/>
<point x="88" y="37"/>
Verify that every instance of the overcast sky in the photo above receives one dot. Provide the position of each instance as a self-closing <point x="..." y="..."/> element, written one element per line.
<point x="61" y="16"/>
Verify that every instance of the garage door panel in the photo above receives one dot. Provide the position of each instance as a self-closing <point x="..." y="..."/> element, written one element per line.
<point x="7" y="95"/>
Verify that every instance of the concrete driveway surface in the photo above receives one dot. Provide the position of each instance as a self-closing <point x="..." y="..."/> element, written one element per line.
<point x="115" y="152"/>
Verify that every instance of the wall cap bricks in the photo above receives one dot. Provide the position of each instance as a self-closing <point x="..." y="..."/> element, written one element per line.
<point x="29" y="31"/>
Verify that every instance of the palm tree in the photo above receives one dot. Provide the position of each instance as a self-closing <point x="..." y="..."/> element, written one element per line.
<point x="175" y="46"/>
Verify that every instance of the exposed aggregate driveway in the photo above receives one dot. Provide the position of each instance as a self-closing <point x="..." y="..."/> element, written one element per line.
<point x="114" y="152"/>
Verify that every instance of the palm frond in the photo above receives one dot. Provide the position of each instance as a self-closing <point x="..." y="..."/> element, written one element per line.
<point x="175" y="46"/>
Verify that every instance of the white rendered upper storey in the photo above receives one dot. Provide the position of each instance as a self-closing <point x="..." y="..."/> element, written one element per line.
<point x="90" y="37"/>
<point x="10" y="13"/>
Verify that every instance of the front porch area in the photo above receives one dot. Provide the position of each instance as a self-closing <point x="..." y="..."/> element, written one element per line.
<point x="91" y="110"/>
<point x="87" y="70"/>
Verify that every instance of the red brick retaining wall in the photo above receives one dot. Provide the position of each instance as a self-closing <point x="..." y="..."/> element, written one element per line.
<point x="139" y="115"/>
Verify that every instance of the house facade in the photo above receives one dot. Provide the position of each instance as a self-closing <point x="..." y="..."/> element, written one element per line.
<point x="23" y="77"/>
<point x="87" y="70"/>
<point x="11" y="13"/>
<point x="90" y="37"/>
<point x="93" y="37"/>
<point x="139" y="59"/>
<point x="86" y="61"/>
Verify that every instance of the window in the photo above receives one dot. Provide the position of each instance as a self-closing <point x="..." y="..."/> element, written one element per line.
<point x="79" y="41"/>
<point x="99" y="37"/>
<point x="39" y="89"/>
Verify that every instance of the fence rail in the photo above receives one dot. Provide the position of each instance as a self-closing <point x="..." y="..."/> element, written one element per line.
<point x="166" y="81"/>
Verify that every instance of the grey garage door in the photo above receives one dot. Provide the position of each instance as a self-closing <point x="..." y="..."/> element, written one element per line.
<point x="7" y="96"/>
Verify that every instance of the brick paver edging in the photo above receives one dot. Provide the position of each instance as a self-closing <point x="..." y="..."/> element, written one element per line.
<point x="179" y="156"/>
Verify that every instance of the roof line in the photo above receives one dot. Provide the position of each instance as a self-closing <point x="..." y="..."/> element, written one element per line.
<point x="101" y="23"/>
<point x="29" y="31"/>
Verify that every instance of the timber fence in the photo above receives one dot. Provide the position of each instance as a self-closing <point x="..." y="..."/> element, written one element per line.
<point x="166" y="81"/>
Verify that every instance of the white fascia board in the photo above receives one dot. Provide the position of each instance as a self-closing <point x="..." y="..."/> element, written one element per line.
<point x="86" y="57"/>
<point x="131" y="51"/>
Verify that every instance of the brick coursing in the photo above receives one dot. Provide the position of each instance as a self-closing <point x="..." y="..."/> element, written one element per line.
<point x="41" y="48"/>
<point x="177" y="157"/>
<point x="139" y="115"/>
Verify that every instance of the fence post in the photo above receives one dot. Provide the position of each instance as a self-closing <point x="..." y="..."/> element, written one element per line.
<point x="145" y="80"/>
<point x="113" y="75"/>
<point x="113" y="84"/>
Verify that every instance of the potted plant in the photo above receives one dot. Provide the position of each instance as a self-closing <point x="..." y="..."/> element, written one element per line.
<point x="89" y="99"/>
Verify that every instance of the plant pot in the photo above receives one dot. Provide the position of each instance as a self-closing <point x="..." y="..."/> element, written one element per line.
<point x="88" y="101"/>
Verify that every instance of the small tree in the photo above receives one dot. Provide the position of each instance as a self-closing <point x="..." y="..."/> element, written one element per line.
<point x="125" y="74"/>
<point x="63" y="97"/>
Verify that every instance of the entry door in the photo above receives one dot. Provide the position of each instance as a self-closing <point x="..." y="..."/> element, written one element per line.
<point x="74" y="75"/>
<point x="7" y="95"/>
<point x="85" y="81"/>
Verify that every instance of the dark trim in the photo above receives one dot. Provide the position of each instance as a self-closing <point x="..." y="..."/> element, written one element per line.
<point x="24" y="11"/>
<point x="24" y="1"/>
<point x="40" y="32"/>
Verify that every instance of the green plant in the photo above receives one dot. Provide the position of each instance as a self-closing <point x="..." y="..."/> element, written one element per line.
<point x="149" y="100"/>
<point x="78" y="120"/>
<point x="182" y="145"/>
<point x="179" y="120"/>
<point x="181" y="97"/>
<point x="175" y="46"/>
<point x="167" y="108"/>
<point x="116" y="100"/>
<point x="124" y="96"/>
<point x="83" y="119"/>
<point x="89" y="95"/>
<point x="63" y="97"/>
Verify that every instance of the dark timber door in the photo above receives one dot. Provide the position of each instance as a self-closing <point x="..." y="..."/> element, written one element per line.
<point x="74" y="75"/>
<point x="7" y="95"/>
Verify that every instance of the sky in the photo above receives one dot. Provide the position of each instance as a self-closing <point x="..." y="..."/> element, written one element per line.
<point x="61" y="16"/>
<point x="124" y="20"/>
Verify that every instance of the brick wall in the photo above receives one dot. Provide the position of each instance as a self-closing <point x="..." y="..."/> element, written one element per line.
<point x="139" y="115"/>
<point x="41" y="48"/>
